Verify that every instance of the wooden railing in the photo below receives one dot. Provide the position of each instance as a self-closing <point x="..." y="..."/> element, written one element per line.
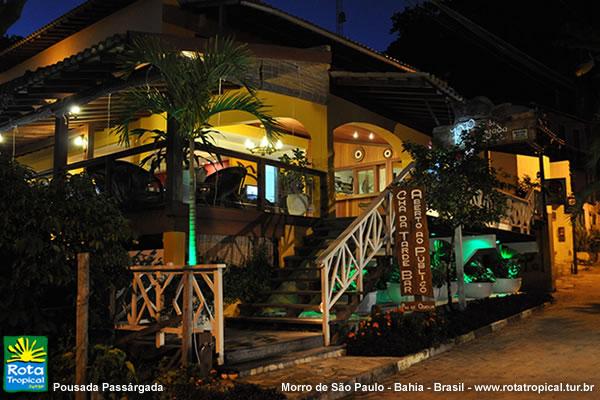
<point x="520" y="212"/>
<point x="344" y="261"/>
<point x="156" y="297"/>
<point x="317" y="193"/>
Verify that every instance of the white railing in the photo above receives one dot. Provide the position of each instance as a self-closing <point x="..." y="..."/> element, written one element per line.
<point x="519" y="212"/>
<point x="149" y="305"/>
<point x="344" y="261"/>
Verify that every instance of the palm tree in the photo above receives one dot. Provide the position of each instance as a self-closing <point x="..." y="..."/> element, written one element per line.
<point x="190" y="95"/>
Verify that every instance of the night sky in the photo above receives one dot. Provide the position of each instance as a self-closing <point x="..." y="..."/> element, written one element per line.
<point x="366" y="23"/>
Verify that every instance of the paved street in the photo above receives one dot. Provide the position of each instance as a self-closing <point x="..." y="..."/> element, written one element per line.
<point x="560" y="345"/>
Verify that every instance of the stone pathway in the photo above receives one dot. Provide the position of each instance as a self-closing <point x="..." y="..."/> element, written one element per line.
<point x="561" y="345"/>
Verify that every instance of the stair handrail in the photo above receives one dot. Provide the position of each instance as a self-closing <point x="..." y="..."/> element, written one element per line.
<point x="379" y="233"/>
<point x="375" y="203"/>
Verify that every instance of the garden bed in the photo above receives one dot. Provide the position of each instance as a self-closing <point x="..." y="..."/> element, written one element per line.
<point x="398" y="334"/>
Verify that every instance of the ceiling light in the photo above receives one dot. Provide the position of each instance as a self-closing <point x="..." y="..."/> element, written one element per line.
<point x="355" y="135"/>
<point x="74" y="109"/>
<point x="80" y="141"/>
<point x="265" y="146"/>
<point x="371" y="136"/>
<point x="249" y="144"/>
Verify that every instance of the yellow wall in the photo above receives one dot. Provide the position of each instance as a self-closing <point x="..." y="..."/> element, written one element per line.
<point x="563" y="251"/>
<point x="521" y="166"/>
<point x="506" y="166"/>
<point x="311" y="115"/>
<point x="344" y="154"/>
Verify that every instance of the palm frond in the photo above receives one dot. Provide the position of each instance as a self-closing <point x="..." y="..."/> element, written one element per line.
<point x="247" y="103"/>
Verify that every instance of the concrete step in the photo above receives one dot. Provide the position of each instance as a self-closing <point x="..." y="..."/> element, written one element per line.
<point x="311" y="341"/>
<point x="286" y="360"/>
<point x="275" y="323"/>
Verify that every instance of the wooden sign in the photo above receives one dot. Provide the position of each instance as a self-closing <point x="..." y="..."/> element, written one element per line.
<point x="419" y="306"/>
<point x="412" y="242"/>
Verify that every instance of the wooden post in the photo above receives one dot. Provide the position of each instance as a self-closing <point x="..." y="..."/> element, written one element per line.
<point x="61" y="145"/>
<point x="325" y="304"/>
<point x="81" y="336"/>
<point x="261" y="183"/>
<point x="174" y="244"/>
<point x="460" y="268"/>
<point x="220" y="328"/>
<point x="89" y="149"/>
<point x="187" y="318"/>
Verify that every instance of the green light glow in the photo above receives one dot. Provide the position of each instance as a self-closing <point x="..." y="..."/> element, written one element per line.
<point x="192" y="235"/>
<point x="470" y="246"/>
<point x="507" y="253"/>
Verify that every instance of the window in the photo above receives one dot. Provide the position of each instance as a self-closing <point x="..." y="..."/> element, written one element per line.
<point x="382" y="179"/>
<point x="344" y="182"/>
<point x="366" y="181"/>
<point x="271" y="183"/>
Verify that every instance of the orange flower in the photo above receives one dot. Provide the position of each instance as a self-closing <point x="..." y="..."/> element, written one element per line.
<point x="351" y="335"/>
<point x="375" y="325"/>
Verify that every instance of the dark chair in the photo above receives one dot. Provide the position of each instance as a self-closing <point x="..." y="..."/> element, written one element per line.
<point x="223" y="187"/>
<point x="130" y="185"/>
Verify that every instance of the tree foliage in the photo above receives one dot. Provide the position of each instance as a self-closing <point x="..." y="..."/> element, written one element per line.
<point x="192" y="94"/>
<point x="559" y="34"/>
<point x="44" y="226"/>
<point x="10" y="11"/>
<point x="454" y="176"/>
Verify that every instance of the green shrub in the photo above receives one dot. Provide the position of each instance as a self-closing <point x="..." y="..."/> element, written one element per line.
<point x="44" y="226"/>
<point x="398" y="334"/>
<point x="250" y="281"/>
<point x="381" y="335"/>
<point x="109" y="364"/>
<point x="476" y="271"/>
<point x="441" y="260"/>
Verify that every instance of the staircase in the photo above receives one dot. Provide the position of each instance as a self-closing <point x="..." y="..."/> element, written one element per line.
<point x="295" y="293"/>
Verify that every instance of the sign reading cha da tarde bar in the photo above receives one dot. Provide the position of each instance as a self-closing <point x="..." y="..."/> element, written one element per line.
<point x="412" y="243"/>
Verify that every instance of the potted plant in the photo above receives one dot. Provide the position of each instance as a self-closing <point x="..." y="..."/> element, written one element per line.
<point x="294" y="182"/>
<point x="506" y="270"/>
<point x="479" y="280"/>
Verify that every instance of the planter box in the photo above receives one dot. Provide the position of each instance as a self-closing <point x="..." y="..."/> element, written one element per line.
<point x="441" y="293"/>
<point x="478" y="290"/>
<point x="367" y="303"/>
<point x="393" y="291"/>
<point x="503" y="285"/>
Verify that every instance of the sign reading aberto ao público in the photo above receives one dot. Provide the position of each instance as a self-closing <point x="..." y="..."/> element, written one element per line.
<point x="412" y="242"/>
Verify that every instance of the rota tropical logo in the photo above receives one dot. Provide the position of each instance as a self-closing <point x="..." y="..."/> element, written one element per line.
<point x="25" y="363"/>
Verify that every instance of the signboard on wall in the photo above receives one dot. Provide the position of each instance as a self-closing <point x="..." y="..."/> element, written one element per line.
<point x="518" y="128"/>
<point x="412" y="242"/>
